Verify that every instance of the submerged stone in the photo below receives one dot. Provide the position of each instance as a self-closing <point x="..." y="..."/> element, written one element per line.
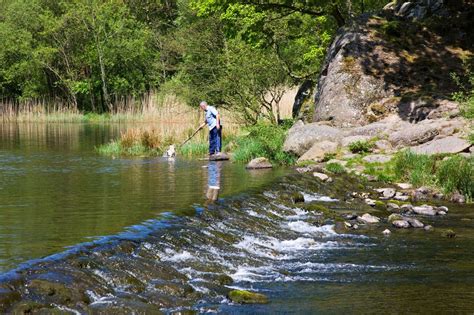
<point x="247" y="297"/>
<point x="449" y="233"/>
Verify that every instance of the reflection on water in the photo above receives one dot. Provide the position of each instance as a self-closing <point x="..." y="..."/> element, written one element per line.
<point x="213" y="180"/>
<point x="55" y="191"/>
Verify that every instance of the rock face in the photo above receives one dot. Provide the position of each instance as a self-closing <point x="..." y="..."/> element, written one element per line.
<point x="259" y="163"/>
<point x="318" y="151"/>
<point x="390" y="65"/>
<point x="301" y="137"/>
<point x="450" y="144"/>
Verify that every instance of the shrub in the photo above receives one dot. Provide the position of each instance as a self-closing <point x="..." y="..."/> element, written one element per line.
<point x="361" y="146"/>
<point x="457" y="174"/>
<point x="263" y="140"/>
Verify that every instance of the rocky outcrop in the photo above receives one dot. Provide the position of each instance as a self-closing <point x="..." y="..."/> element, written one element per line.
<point x="301" y="137"/>
<point x="319" y="150"/>
<point x="388" y="64"/>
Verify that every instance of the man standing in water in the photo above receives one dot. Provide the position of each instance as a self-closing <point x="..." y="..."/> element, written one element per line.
<point x="213" y="121"/>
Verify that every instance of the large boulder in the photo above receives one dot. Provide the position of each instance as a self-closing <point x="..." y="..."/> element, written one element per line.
<point x="413" y="134"/>
<point x="450" y="144"/>
<point x="319" y="150"/>
<point x="387" y="64"/>
<point x="301" y="137"/>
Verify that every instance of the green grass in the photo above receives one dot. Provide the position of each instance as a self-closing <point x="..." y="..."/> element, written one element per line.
<point x="115" y="148"/>
<point x="335" y="168"/>
<point x="456" y="173"/>
<point x="194" y="149"/>
<point x="446" y="173"/>
<point x="417" y="169"/>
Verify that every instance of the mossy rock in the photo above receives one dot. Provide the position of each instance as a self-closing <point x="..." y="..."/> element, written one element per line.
<point x="448" y="233"/>
<point x="224" y="279"/>
<point x="7" y="298"/>
<point x="380" y="205"/>
<point x="314" y="207"/>
<point x="247" y="297"/>
<point x="57" y="291"/>
<point x="26" y="307"/>
<point x="294" y="197"/>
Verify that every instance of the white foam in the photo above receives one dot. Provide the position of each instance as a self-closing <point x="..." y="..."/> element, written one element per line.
<point x="305" y="227"/>
<point x="308" y="197"/>
<point x="172" y="255"/>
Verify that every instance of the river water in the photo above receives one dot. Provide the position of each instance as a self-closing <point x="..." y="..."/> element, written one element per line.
<point x="81" y="233"/>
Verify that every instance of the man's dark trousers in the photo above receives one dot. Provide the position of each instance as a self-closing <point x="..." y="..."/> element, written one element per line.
<point x="215" y="140"/>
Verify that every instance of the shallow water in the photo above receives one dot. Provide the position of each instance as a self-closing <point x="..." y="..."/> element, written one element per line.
<point x="302" y="260"/>
<point x="55" y="191"/>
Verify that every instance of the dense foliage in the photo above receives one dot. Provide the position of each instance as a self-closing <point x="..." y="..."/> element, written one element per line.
<point x="239" y="54"/>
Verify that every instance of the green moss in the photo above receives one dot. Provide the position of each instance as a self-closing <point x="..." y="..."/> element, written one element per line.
<point x="380" y="205"/>
<point x="247" y="297"/>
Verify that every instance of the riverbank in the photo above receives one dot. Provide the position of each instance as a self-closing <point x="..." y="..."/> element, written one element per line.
<point x="243" y="144"/>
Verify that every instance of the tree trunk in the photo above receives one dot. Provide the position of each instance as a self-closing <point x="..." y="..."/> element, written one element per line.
<point x="100" y="54"/>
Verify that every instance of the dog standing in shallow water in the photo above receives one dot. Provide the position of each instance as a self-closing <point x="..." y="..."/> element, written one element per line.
<point x="171" y="152"/>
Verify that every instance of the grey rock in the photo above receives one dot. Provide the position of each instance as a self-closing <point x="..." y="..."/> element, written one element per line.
<point x="404" y="9"/>
<point x="318" y="151"/>
<point x="387" y="193"/>
<point x="415" y="223"/>
<point x="424" y="210"/>
<point x="370" y="130"/>
<point x="386" y="232"/>
<point x="458" y="198"/>
<point x="259" y="163"/>
<point x="401" y="224"/>
<point x="302" y="137"/>
<point x="450" y="144"/>
<point x="321" y="176"/>
<point x="404" y="185"/>
<point x="377" y="158"/>
<point x="441" y="213"/>
<point x="368" y="219"/>
<point x="370" y="202"/>
<point x="442" y="208"/>
<point x="428" y="228"/>
<point x="406" y="208"/>
<point x="392" y="207"/>
<point x="413" y="135"/>
<point x="383" y="145"/>
<point x="401" y="196"/>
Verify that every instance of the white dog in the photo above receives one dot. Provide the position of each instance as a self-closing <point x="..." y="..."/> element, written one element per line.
<point x="171" y="152"/>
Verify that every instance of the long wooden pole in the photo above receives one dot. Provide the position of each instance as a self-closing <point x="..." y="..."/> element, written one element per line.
<point x="194" y="133"/>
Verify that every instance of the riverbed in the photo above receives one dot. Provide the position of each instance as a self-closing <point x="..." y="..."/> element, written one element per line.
<point x="83" y="233"/>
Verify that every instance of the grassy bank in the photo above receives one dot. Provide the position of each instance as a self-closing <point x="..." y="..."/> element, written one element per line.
<point x="243" y="144"/>
<point x="445" y="173"/>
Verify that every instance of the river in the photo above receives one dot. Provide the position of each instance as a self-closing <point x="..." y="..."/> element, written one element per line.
<point x="81" y="233"/>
